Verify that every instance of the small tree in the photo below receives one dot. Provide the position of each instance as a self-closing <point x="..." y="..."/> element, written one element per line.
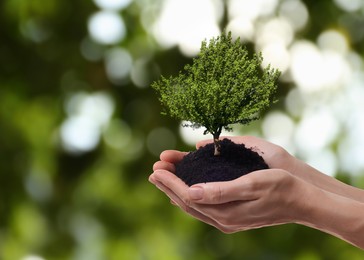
<point x="223" y="86"/>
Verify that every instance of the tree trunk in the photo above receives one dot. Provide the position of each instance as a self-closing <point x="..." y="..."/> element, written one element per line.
<point x="217" y="141"/>
<point x="217" y="146"/>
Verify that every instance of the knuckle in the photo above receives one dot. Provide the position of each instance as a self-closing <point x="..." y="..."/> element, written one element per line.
<point x="217" y="194"/>
<point x="186" y="201"/>
<point x="280" y="153"/>
<point x="250" y="185"/>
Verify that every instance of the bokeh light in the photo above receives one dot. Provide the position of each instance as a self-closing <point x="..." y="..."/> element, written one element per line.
<point x="295" y="12"/>
<point x="241" y="27"/>
<point x="106" y="27"/>
<point x="87" y="114"/>
<point x="187" y="23"/>
<point x="276" y="55"/>
<point x="118" y="64"/>
<point x="314" y="70"/>
<point x="112" y="4"/>
<point x="334" y="41"/>
<point x="295" y="103"/>
<point x="251" y="9"/>
<point x="350" y="6"/>
<point x="79" y="134"/>
<point x="317" y="129"/>
<point x="277" y="30"/>
<point x="192" y="135"/>
<point x="324" y="160"/>
<point x="278" y="127"/>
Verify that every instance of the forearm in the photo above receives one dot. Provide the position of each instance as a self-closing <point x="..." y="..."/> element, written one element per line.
<point x="325" y="182"/>
<point x="334" y="214"/>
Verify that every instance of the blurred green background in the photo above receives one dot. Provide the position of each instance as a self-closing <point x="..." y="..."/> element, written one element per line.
<point x="81" y="128"/>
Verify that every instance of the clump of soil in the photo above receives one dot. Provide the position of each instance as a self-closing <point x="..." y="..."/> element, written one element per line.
<point x="234" y="161"/>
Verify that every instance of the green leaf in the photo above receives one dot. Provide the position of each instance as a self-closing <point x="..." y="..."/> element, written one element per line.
<point x="224" y="85"/>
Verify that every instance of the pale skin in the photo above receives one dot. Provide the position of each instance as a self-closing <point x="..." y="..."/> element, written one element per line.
<point x="289" y="192"/>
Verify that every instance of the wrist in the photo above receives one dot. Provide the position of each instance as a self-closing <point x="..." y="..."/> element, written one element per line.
<point x="333" y="214"/>
<point x="296" y="200"/>
<point x="300" y="201"/>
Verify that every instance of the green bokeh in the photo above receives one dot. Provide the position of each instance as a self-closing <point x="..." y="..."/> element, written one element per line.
<point x="99" y="204"/>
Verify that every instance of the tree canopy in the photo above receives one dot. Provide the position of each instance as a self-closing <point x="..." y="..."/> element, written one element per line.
<point x="223" y="86"/>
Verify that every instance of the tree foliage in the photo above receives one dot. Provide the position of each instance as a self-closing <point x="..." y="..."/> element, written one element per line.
<point x="223" y="86"/>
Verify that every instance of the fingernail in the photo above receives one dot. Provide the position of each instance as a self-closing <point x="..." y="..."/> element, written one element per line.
<point x="195" y="193"/>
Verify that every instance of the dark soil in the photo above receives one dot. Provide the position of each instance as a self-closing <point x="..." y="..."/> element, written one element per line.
<point x="234" y="161"/>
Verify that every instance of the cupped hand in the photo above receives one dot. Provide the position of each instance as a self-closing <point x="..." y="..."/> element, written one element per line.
<point x="289" y="192"/>
<point x="261" y="198"/>
<point x="274" y="155"/>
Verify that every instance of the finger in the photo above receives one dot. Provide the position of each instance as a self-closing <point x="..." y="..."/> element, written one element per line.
<point x="164" y="165"/>
<point x="170" y="194"/>
<point x="167" y="177"/>
<point x="172" y="156"/>
<point x="175" y="200"/>
<point x="222" y="192"/>
<point x="173" y="183"/>
<point x="199" y="215"/>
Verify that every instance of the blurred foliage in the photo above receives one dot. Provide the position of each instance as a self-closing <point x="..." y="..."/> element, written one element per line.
<point x="98" y="204"/>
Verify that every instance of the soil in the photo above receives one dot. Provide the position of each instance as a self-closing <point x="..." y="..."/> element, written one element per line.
<point x="234" y="161"/>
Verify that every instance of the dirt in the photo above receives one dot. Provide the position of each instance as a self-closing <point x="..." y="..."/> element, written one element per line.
<point x="234" y="161"/>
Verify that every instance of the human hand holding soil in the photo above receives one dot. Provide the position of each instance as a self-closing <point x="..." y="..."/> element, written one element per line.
<point x="277" y="157"/>
<point x="289" y="192"/>
<point x="251" y="201"/>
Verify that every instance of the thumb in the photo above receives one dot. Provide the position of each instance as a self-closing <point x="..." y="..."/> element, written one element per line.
<point x="219" y="192"/>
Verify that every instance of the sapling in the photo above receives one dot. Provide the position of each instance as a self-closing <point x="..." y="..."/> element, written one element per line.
<point x="223" y="86"/>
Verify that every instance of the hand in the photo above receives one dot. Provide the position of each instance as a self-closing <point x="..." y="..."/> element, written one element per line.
<point x="290" y="192"/>
<point x="265" y="198"/>
<point x="277" y="157"/>
<point x="251" y="201"/>
<point x="274" y="155"/>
